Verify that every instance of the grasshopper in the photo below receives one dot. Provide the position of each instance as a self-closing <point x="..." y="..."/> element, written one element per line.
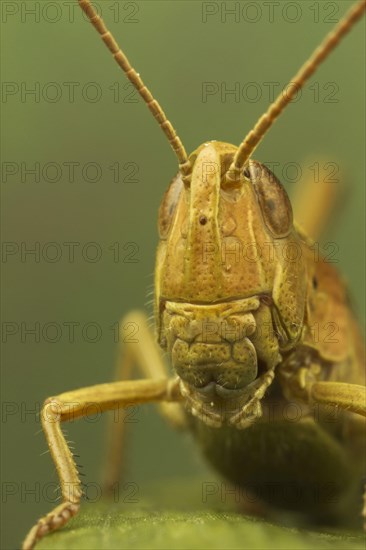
<point x="238" y="330"/>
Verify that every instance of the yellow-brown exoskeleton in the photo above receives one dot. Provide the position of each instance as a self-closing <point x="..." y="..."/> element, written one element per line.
<point x="239" y="295"/>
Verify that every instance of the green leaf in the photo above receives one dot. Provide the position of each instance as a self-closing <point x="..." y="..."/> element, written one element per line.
<point x="109" y="526"/>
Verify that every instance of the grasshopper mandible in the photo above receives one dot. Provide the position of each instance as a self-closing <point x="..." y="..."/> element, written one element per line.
<point x="238" y="333"/>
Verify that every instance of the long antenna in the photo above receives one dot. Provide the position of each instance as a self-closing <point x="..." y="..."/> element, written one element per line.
<point x="134" y="78"/>
<point x="254" y="137"/>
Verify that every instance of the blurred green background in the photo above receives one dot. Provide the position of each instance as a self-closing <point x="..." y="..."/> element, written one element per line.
<point x="53" y="51"/>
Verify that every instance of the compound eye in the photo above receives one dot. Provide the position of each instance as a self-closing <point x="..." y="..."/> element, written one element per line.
<point x="246" y="173"/>
<point x="273" y="200"/>
<point x="169" y="204"/>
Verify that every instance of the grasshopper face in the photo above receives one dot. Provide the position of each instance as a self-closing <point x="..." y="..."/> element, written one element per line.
<point x="229" y="258"/>
<point x="230" y="283"/>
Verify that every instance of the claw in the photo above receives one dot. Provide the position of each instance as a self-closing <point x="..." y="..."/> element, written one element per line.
<point x="53" y="521"/>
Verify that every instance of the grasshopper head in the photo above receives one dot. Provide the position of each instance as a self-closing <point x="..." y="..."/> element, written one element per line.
<point x="228" y="253"/>
<point x="229" y="297"/>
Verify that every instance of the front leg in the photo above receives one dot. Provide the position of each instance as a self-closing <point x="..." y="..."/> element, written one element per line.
<point x="350" y="397"/>
<point x="74" y="404"/>
<point x="304" y="384"/>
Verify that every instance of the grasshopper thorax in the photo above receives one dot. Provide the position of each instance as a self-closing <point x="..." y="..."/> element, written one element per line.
<point x="229" y="296"/>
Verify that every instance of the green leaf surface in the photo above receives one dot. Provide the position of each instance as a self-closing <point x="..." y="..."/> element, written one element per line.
<point x="108" y="526"/>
